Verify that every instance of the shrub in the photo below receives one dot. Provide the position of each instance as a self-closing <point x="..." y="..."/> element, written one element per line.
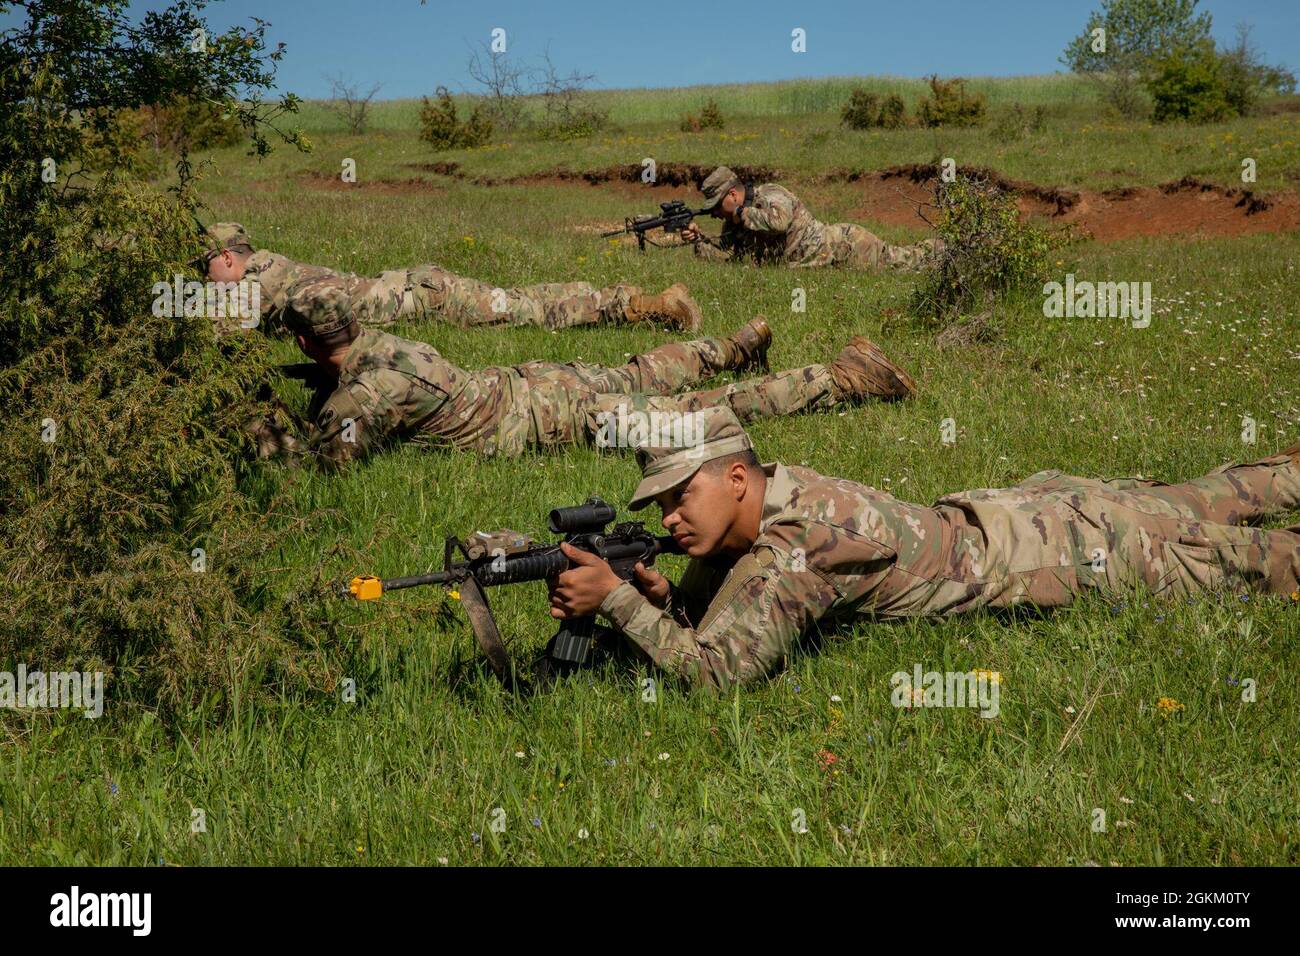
<point x="988" y="252"/>
<point x="567" y="112"/>
<point x="710" y="118"/>
<point x="145" y="140"/>
<point x="189" y="124"/>
<point x="1016" y="122"/>
<point x="866" y="110"/>
<point x="862" y="111"/>
<point x="126" y="451"/>
<point x="578" y="123"/>
<point x="1189" y="84"/>
<point x="349" y="103"/>
<point x="441" y="126"/>
<point x="893" y="113"/>
<point x="1246" y="79"/>
<point x="949" y="105"/>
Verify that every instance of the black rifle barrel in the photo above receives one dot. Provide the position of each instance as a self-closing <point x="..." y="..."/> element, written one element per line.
<point x="415" y="581"/>
<point x="683" y="216"/>
<point x="535" y="566"/>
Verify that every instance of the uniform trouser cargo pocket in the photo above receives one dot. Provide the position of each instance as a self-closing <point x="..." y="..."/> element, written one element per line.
<point x="1193" y="566"/>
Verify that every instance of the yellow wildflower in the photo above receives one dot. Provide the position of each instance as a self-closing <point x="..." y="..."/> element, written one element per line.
<point x="1167" y="706"/>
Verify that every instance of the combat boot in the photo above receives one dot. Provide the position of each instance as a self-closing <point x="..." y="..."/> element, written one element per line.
<point x="861" y="371"/>
<point x="920" y="257"/>
<point x="673" y="306"/>
<point x="748" y="347"/>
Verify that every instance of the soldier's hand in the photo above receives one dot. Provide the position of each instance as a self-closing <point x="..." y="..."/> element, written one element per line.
<point x="691" y="232"/>
<point x="652" y="584"/>
<point x="579" y="591"/>
<point x="272" y="439"/>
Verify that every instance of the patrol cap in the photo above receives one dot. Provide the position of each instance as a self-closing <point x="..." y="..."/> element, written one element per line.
<point x="715" y="433"/>
<point x="717" y="184"/>
<point x="324" y="313"/>
<point x="228" y="235"/>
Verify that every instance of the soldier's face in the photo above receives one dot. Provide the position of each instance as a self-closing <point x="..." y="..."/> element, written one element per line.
<point x="328" y="357"/>
<point x="703" y="513"/>
<point x="730" y="203"/>
<point x="226" y="266"/>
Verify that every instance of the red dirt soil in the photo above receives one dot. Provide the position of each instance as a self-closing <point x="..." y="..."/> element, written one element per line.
<point x="1187" y="208"/>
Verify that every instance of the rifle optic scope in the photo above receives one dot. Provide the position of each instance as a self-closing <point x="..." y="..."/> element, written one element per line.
<point x="591" y="516"/>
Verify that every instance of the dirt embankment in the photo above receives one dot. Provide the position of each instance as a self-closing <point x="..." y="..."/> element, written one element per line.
<point x="667" y="175"/>
<point x="1188" y="207"/>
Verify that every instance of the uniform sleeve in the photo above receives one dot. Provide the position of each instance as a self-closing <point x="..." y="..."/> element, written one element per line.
<point x="772" y="214"/>
<point x="273" y="439"/>
<point x="752" y="625"/>
<point x="713" y="253"/>
<point x="354" y="421"/>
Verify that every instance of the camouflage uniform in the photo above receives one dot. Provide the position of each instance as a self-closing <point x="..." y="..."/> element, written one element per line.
<point x="393" y="387"/>
<point x="428" y="291"/>
<point x="776" y="227"/>
<point x="833" y="550"/>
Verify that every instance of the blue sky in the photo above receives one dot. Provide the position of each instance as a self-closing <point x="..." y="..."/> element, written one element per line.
<point x="412" y="48"/>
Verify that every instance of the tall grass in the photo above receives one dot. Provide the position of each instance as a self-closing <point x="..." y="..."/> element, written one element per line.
<point x="787" y="98"/>
<point x="414" y="770"/>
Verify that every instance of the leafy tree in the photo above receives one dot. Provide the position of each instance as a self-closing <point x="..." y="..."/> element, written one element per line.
<point x="1136" y="31"/>
<point x="126" y="453"/>
<point x="1133" y="33"/>
<point x="1188" y="84"/>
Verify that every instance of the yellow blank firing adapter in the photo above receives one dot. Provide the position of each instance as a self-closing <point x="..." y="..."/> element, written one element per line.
<point x="366" y="588"/>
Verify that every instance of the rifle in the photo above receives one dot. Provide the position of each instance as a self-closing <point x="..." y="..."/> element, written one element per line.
<point x="673" y="217"/>
<point x="316" y="380"/>
<point x="310" y="374"/>
<point x="508" y="557"/>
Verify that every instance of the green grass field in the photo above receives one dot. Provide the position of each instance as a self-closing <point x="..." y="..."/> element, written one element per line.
<point x="415" y="770"/>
